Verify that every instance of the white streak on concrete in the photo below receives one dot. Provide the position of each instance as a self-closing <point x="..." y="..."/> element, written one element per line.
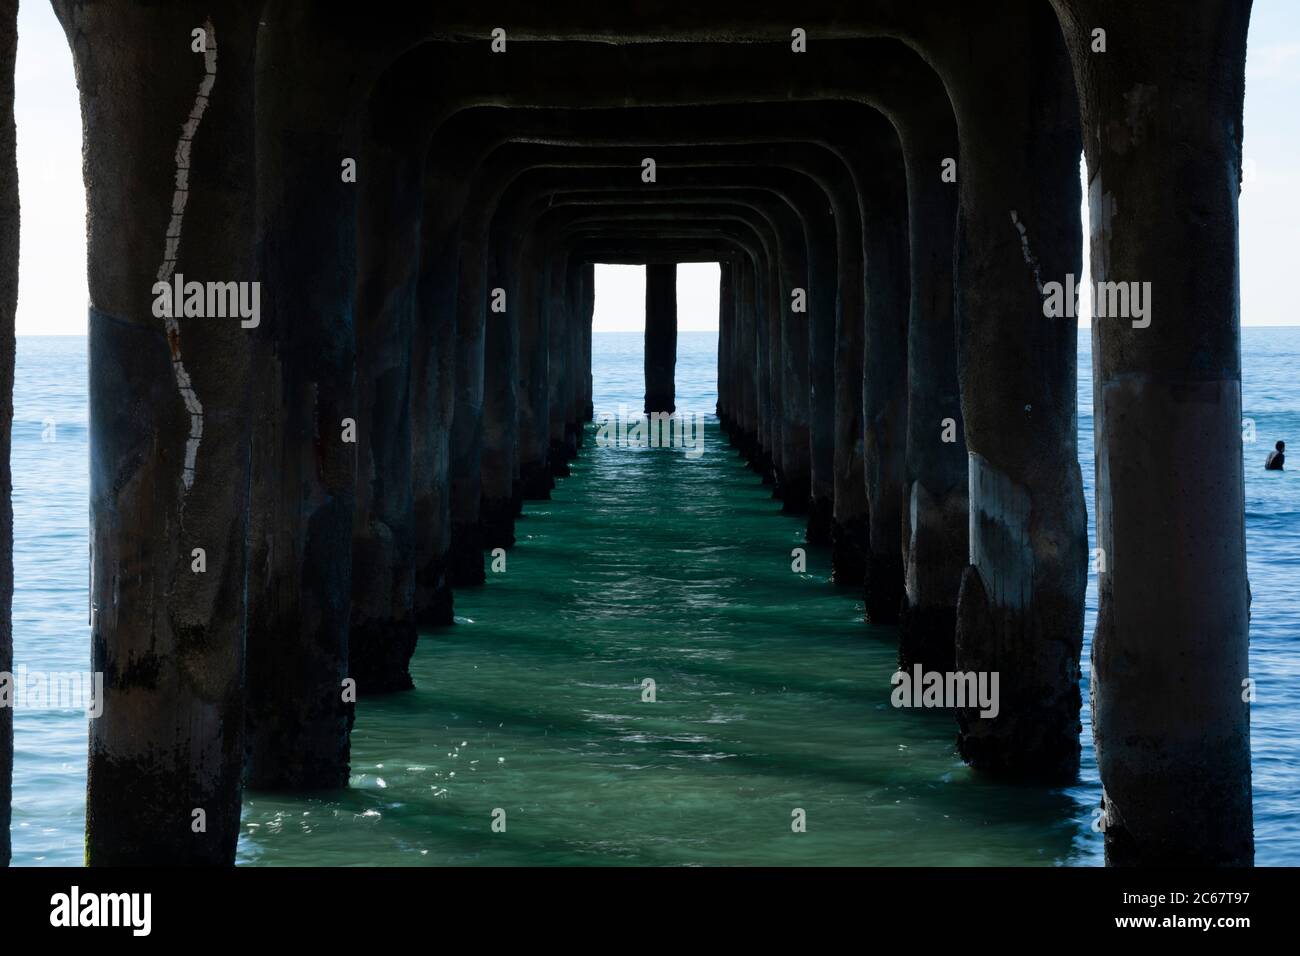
<point x="1024" y="245"/>
<point x="179" y="198"/>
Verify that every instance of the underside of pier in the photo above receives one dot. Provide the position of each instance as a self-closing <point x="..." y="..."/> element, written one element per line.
<point x="416" y="199"/>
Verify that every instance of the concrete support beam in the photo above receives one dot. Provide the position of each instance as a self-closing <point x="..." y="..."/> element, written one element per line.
<point x="1169" y="658"/>
<point x="169" y="152"/>
<point x="579" y="329"/>
<point x="850" y="539"/>
<point x="883" y="197"/>
<point x="726" y="337"/>
<point x="499" y="460"/>
<point x="535" y="478"/>
<point x="660" y="337"/>
<point x="383" y="634"/>
<point x="433" y="393"/>
<point x="556" y="303"/>
<point x="1020" y="610"/>
<point x="935" y="510"/>
<point x="823" y="298"/>
<point x="304" y="466"/>
<point x="587" y="315"/>
<point x="465" y="555"/>
<point x="747" y="360"/>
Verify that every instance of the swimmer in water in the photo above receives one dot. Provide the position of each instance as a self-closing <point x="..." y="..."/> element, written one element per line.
<point x="1276" y="458"/>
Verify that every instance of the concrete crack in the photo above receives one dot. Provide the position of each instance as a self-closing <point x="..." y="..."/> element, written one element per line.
<point x="179" y="199"/>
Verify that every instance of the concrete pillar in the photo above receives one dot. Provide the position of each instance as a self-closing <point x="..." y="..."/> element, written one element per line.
<point x="556" y="304"/>
<point x="500" y="378"/>
<point x="588" y="315"/>
<point x="535" y="479"/>
<point x="169" y="152"/>
<point x="756" y="298"/>
<point x="304" y="465"/>
<point x="746" y="366"/>
<point x="577" y="356"/>
<point x="383" y="634"/>
<point x="438" y="357"/>
<point x="660" y="337"/>
<point x="433" y="402"/>
<point x="756" y="332"/>
<point x="726" y="310"/>
<point x="738" y="434"/>
<point x="776" y="305"/>
<point x="935" y="509"/>
<point x="1020" y="609"/>
<point x="823" y="292"/>
<point x="8" y="306"/>
<point x="465" y="558"/>
<point x="736" y="349"/>
<point x="1169" y="658"/>
<point x="849" y="538"/>
<point x="884" y="364"/>
<point x="762" y="459"/>
<point x="792" y="359"/>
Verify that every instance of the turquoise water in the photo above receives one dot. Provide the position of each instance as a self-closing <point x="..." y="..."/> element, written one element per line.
<point x="771" y="695"/>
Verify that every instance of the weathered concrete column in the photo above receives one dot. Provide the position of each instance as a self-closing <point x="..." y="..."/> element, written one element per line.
<point x="766" y="291"/>
<point x="438" y="355"/>
<point x="304" y="465"/>
<point x="500" y="379"/>
<point x="556" y="304"/>
<point x="577" y="295"/>
<point x="433" y="403"/>
<point x="169" y="173"/>
<point x="823" y="291"/>
<point x="465" y="558"/>
<point x="587" y="316"/>
<point x="752" y="303"/>
<point x="726" y="310"/>
<point x="936" y="516"/>
<point x="1020" y="609"/>
<point x="744" y="364"/>
<point x="736" y="433"/>
<point x="849" y="537"/>
<point x="383" y="633"/>
<point x="1162" y="114"/>
<point x="535" y="479"/>
<point x="795" y="477"/>
<point x="660" y="337"/>
<point x="777" y="303"/>
<point x="8" y="306"/>
<point x="884" y="384"/>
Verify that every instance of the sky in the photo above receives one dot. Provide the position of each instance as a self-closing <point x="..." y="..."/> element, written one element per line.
<point x="52" y="296"/>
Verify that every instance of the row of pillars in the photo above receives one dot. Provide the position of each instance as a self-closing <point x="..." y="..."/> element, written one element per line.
<point x="889" y="201"/>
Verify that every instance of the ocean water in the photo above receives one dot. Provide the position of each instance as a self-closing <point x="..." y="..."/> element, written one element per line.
<point x="771" y="695"/>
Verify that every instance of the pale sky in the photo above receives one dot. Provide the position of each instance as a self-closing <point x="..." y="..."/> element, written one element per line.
<point x="620" y="298"/>
<point x="52" y="293"/>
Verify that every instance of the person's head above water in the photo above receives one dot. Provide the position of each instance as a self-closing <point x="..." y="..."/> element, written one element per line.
<point x="1280" y="446"/>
